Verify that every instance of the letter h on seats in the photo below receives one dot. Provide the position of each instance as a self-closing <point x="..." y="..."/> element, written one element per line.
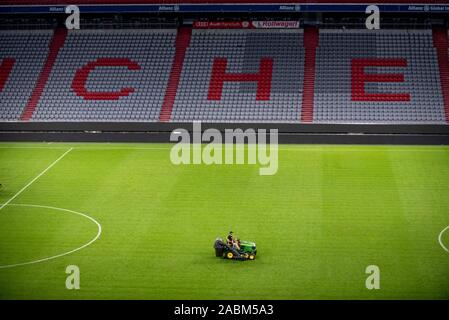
<point x="219" y="76"/>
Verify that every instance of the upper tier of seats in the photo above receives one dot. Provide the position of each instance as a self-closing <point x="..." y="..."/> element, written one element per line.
<point x="211" y="75"/>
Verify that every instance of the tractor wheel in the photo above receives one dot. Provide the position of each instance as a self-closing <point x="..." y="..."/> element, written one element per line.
<point x="251" y="257"/>
<point x="229" y="255"/>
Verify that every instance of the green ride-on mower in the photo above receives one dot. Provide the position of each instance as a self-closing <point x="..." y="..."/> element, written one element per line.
<point x="247" y="250"/>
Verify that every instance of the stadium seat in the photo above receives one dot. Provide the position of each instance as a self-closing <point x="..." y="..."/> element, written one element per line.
<point x="110" y="62"/>
<point x="407" y="53"/>
<point x="243" y="51"/>
<point x="26" y="51"/>
<point x="226" y="75"/>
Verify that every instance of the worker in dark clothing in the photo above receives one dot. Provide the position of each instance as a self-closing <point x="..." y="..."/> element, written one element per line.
<point x="230" y="239"/>
<point x="232" y="242"/>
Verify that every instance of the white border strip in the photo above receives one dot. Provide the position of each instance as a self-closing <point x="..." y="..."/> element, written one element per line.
<point x="32" y="181"/>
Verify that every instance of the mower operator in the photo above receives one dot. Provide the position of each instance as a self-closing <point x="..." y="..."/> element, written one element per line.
<point x="230" y="239"/>
<point x="233" y="243"/>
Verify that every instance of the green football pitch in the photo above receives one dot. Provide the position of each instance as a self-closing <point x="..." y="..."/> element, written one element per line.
<point x="328" y="213"/>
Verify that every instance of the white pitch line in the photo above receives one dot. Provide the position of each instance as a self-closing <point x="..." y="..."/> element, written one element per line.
<point x="440" y="237"/>
<point x="30" y="147"/>
<point x="61" y="254"/>
<point x="32" y="181"/>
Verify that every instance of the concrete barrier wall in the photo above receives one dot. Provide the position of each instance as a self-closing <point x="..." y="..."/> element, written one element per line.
<point x="288" y="133"/>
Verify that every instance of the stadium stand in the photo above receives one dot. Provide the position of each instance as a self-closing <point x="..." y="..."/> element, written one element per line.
<point x="182" y="42"/>
<point x="226" y="75"/>
<point x="241" y="75"/>
<point x="22" y="54"/>
<point x="441" y="43"/>
<point x="390" y="76"/>
<point x="111" y="75"/>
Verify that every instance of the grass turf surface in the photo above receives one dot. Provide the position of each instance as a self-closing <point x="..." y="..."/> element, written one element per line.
<point x="328" y="213"/>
